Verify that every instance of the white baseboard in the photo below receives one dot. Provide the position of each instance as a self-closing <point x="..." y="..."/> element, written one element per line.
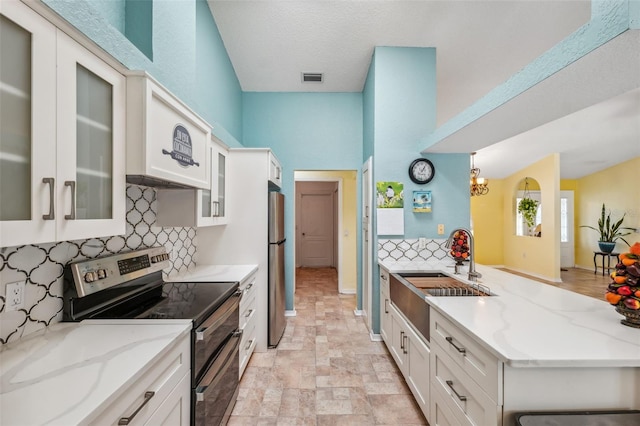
<point x="375" y="337"/>
<point x="290" y="313"/>
<point x="358" y="313"/>
<point x="349" y="291"/>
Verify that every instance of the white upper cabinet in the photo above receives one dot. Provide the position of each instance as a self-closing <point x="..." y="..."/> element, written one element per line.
<point x="275" y="171"/>
<point x="212" y="205"/>
<point x="202" y="207"/>
<point x="62" y="114"/>
<point x="166" y="141"/>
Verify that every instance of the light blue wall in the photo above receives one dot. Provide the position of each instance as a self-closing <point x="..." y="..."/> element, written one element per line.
<point x="306" y="131"/>
<point x="401" y="90"/>
<point x="189" y="57"/>
<point x="405" y="110"/>
<point x="609" y="18"/>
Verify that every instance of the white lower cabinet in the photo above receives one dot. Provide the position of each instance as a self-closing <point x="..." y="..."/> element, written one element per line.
<point x="161" y="395"/>
<point x="385" y="303"/>
<point x="464" y="377"/>
<point x="176" y="409"/>
<point x="411" y="355"/>
<point x="248" y="320"/>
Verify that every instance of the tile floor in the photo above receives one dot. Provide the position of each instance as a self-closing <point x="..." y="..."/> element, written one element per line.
<point x="326" y="370"/>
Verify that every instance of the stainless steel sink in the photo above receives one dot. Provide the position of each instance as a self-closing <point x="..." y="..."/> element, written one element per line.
<point x="438" y="284"/>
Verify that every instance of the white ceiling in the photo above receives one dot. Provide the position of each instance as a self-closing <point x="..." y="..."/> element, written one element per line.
<point x="479" y="44"/>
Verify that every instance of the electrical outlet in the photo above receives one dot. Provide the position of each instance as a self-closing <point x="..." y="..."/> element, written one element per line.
<point x="422" y="243"/>
<point x="14" y="296"/>
<point x="441" y="229"/>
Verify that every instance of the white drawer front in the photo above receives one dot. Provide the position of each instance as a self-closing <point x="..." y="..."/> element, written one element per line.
<point x="160" y="379"/>
<point x="384" y="281"/>
<point x="464" y="397"/>
<point x="247" y="344"/>
<point x="441" y="414"/>
<point x="482" y="366"/>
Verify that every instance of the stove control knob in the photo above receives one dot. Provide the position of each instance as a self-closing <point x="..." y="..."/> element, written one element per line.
<point x="90" y="277"/>
<point x="165" y="256"/>
<point x="154" y="259"/>
<point x="102" y="274"/>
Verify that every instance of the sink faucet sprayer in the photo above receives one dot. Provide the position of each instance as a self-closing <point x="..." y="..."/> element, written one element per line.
<point x="473" y="274"/>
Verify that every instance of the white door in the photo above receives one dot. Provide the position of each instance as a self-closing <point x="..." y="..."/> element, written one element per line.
<point x="366" y="242"/>
<point x="567" y="251"/>
<point x="316" y="226"/>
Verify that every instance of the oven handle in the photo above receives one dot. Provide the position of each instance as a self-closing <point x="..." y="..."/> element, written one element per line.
<point x="219" y="365"/>
<point x="219" y="316"/>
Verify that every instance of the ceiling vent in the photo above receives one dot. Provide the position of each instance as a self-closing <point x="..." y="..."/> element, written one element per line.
<point x="312" y="77"/>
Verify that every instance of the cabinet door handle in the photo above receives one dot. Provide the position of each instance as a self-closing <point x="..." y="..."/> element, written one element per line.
<point x="277" y="172"/>
<point x="72" y="184"/>
<point x="402" y="340"/>
<point x="458" y="348"/>
<point x="460" y="397"/>
<point x="404" y="346"/>
<point x="386" y="304"/>
<point x="249" y="343"/>
<point x="147" y="397"/>
<point x="52" y="210"/>
<point x="249" y="313"/>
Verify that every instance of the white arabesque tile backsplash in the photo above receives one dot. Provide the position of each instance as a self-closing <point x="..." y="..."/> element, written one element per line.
<point x="41" y="266"/>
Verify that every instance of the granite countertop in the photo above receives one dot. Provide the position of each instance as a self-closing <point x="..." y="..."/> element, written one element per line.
<point x="214" y="273"/>
<point x="531" y="324"/>
<point x="71" y="371"/>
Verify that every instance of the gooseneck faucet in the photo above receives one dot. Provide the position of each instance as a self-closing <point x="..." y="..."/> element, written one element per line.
<point x="473" y="274"/>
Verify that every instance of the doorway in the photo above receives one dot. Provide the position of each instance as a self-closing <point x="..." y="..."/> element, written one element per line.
<point x="567" y="244"/>
<point x="316" y="224"/>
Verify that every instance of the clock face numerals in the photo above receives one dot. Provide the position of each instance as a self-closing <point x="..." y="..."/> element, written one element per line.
<point x="421" y="171"/>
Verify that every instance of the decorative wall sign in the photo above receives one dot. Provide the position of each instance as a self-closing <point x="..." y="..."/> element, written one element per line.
<point x="390" y="211"/>
<point x="422" y="201"/>
<point x="182" y="148"/>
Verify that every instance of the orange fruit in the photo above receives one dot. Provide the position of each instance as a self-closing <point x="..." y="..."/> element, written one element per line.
<point x="635" y="249"/>
<point x="627" y="262"/>
<point x="620" y="279"/>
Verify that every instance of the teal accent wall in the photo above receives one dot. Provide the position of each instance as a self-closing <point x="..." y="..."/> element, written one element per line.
<point x="400" y="107"/>
<point x="138" y="25"/>
<point x="113" y="11"/>
<point x="609" y="18"/>
<point x="368" y="112"/>
<point x="306" y="131"/>
<point x="189" y="57"/>
<point x="218" y="93"/>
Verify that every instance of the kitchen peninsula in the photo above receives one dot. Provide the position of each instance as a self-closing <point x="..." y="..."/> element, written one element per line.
<point x="529" y="347"/>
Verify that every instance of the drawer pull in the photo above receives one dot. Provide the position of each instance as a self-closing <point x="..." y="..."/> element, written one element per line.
<point x="72" y="185"/>
<point x="404" y="346"/>
<point x="249" y="313"/>
<point x="458" y="348"/>
<point x="52" y="214"/>
<point x="147" y="397"/>
<point x="460" y="397"/>
<point x="402" y="341"/>
<point x="249" y="343"/>
<point x="386" y="304"/>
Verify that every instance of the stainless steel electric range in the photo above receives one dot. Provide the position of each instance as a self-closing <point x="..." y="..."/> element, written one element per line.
<point x="131" y="285"/>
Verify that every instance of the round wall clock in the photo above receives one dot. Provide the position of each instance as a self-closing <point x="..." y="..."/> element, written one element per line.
<point x="421" y="171"/>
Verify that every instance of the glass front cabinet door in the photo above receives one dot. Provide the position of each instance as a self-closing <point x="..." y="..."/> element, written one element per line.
<point x="27" y="126"/>
<point x="212" y="205"/>
<point x="91" y="144"/>
<point x="61" y="135"/>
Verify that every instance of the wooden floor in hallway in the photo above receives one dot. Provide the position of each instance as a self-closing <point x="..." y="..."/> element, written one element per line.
<point x="325" y="370"/>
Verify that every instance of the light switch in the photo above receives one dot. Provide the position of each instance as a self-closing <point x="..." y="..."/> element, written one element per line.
<point x="441" y="229"/>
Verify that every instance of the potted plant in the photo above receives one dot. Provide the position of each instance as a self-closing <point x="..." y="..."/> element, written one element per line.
<point x="610" y="232"/>
<point x="528" y="208"/>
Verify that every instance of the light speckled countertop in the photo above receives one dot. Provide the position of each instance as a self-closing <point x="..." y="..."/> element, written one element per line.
<point x="70" y="371"/>
<point x="529" y="324"/>
<point x="215" y="273"/>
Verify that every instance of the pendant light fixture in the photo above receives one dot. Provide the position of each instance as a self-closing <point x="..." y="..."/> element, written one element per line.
<point x="477" y="185"/>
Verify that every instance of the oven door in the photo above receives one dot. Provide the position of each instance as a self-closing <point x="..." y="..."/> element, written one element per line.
<point x="215" y="394"/>
<point x="213" y="332"/>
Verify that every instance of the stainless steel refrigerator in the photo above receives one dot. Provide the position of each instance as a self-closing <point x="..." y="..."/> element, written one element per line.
<point x="276" y="287"/>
